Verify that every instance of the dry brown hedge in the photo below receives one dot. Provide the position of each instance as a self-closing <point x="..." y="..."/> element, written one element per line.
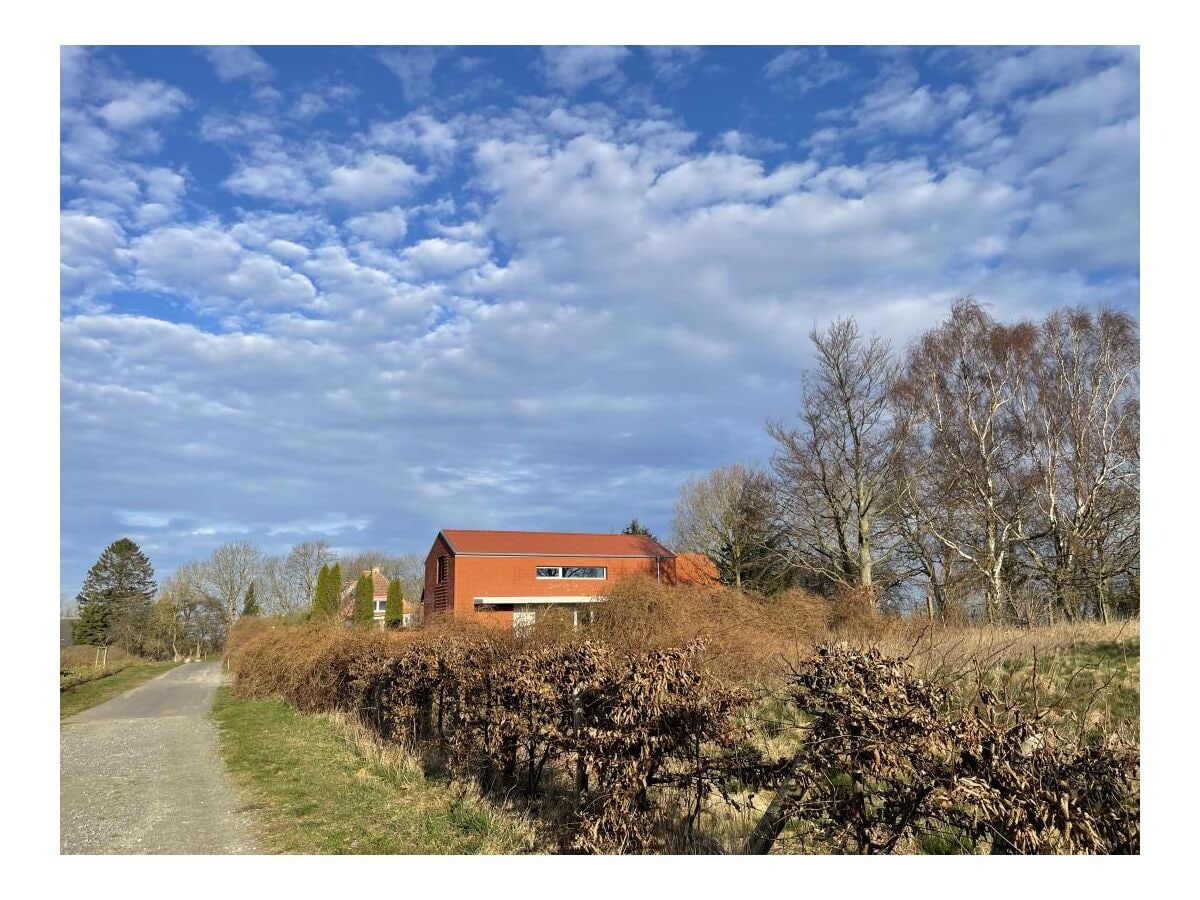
<point x="622" y="733"/>
<point x="604" y="740"/>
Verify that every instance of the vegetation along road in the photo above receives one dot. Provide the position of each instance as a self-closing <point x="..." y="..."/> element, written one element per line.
<point x="140" y="773"/>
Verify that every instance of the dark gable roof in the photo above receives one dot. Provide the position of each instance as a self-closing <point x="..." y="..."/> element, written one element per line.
<point x="552" y="543"/>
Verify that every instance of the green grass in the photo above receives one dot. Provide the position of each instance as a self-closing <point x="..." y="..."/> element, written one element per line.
<point x="92" y="693"/>
<point x="312" y="789"/>
<point x="1098" y="681"/>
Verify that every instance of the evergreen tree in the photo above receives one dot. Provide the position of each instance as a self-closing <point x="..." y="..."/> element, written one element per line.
<point x="320" y="593"/>
<point x="393" y="617"/>
<point x="333" y="592"/>
<point x="364" y="600"/>
<point x="636" y="527"/>
<point x="250" y="607"/>
<point x="116" y="594"/>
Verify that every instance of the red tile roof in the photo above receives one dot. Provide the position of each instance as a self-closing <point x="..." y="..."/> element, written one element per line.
<point x="695" y="568"/>
<point x="552" y="543"/>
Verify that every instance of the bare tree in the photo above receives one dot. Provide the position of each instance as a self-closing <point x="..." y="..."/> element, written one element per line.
<point x="962" y="381"/>
<point x="837" y="470"/>
<point x="409" y="568"/>
<point x="730" y="516"/>
<point x="200" y="619"/>
<point x="1082" y="409"/>
<point x="229" y="572"/>
<point x="273" y="588"/>
<point x="303" y="563"/>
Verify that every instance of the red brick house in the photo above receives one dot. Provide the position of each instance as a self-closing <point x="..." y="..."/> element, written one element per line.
<point x="505" y="577"/>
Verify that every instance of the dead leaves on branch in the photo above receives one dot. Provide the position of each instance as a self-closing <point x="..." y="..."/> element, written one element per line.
<point x="891" y="758"/>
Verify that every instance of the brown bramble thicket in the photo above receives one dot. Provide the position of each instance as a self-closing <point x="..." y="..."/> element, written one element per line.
<point x="625" y="734"/>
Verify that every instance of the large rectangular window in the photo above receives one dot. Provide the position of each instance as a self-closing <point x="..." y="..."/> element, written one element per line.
<point x="593" y="572"/>
<point x="442" y="564"/>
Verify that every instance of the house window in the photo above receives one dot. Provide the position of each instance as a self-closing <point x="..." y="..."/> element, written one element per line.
<point x="594" y="572"/>
<point x="380" y="607"/>
<point x="584" y="572"/>
<point x="443" y="564"/>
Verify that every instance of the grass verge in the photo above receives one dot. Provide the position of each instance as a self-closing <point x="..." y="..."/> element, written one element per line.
<point x="92" y="693"/>
<point x="318" y="784"/>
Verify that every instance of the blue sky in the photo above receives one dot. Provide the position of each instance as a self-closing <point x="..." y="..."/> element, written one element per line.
<point x="365" y="293"/>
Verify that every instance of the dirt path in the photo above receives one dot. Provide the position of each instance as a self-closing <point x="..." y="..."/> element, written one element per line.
<point x="141" y="774"/>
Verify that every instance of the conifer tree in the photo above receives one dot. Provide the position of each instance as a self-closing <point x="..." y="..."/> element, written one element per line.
<point x="321" y="592"/>
<point x="333" y="592"/>
<point x="117" y="593"/>
<point x="393" y="616"/>
<point x="364" y="600"/>
<point x="636" y="527"/>
<point x="251" y="607"/>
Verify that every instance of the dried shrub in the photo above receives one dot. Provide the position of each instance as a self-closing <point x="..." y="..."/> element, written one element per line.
<point x="891" y="759"/>
<point x="633" y="734"/>
<point x="744" y="636"/>
<point x="624" y="734"/>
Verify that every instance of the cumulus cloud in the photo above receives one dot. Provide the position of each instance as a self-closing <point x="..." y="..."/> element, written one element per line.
<point x="373" y="181"/>
<point x="439" y="256"/>
<point x="803" y="69"/>
<point x="416" y="131"/>
<point x="136" y="103"/>
<point x="232" y="63"/>
<point x="207" y="263"/>
<point x="571" y="68"/>
<point x="91" y="253"/>
<point x="901" y="105"/>
<point x="413" y="66"/>
<point x="673" y="64"/>
<point x="385" y="227"/>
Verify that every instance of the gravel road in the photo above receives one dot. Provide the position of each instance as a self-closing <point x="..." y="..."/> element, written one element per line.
<point x="141" y="773"/>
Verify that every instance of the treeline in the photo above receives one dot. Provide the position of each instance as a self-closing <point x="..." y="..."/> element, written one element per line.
<point x="121" y="605"/>
<point x="991" y="471"/>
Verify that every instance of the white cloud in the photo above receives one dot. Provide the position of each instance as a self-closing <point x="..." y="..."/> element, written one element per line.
<point x="385" y="227"/>
<point x="673" y="64"/>
<point x="373" y="181"/>
<point x="232" y="63"/>
<point x="414" y="67"/>
<point x="281" y="180"/>
<point x="1016" y="70"/>
<point x="219" y="127"/>
<point x="419" y="131"/>
<point x="571" y="68"/>
<point x="136" y="103"/>
<point x="439" y="256"/>
<point x="902" y="106"/>
<point x="803" y="69"/>
<point x="309" y="105"/>
<point x="91" y="253"/>
<point x="206" y="263"/>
